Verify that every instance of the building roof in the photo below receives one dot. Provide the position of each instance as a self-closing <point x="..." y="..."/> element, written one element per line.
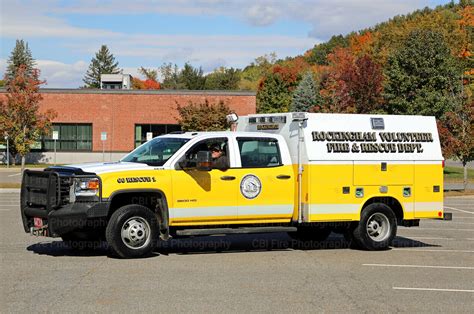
<point x="142" y="91"/>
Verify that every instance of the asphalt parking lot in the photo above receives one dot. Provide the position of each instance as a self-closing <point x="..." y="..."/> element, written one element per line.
<point x="429" y="269"/>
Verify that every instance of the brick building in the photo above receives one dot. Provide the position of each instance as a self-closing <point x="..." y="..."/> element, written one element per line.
<point x="125" y="115"/>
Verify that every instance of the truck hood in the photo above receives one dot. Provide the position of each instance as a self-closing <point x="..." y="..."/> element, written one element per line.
<point x="102" y="167"/>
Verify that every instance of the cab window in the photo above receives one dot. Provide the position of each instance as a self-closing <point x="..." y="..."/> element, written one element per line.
<point x="189" y="160"/>
<point x="259" y="152"/>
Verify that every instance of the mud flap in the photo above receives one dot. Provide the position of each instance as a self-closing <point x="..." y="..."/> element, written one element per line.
<point x="162" y="216"/>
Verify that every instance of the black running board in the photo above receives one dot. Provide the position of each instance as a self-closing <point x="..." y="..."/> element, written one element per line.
<point x="216" y="231"/>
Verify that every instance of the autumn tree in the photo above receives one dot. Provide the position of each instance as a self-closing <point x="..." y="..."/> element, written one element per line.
<point x="457" y="135"/>
<point x="149" y="74"/>
<point x="103" y="63"/>
<point x="318" y="55"/>
<point x="20" y="116"/>
<point x="203" y="116"/>
<point x="20" y="56"/>
<point x="252" y="74"/>
<point x="306" y="95"/>
<point x="337" y="84"/>
<point x="150" y="82"/>
<point x="276" y="88"/>
<point x="422" y="77"/>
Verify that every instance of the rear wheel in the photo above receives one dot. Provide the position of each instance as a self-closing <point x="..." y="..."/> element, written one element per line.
<point x="377" y="227"/>
<point x="132" y="231"/>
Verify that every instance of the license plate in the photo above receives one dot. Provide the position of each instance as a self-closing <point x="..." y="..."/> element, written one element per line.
<point x="38" y="222"/>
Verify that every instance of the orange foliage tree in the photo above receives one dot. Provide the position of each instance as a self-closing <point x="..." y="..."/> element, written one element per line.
<point x="20" y="116"/>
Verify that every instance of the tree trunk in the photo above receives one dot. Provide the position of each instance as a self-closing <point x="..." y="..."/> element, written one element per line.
<point x="22" y="163"/>
<point x="464" y="165"/>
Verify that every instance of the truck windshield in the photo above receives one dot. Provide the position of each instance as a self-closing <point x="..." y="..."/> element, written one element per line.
<point x="155" y="152"/>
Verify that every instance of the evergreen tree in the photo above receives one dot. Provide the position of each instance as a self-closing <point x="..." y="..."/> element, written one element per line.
<point x="422" y="76"/>
<point x="273" y="95"/>
<point x="192" y="78"/>
<point x="21" y="55"/>
<point x="223" y="79"/>
<point x="102" y="63"/>
<point x="306" y="95"/>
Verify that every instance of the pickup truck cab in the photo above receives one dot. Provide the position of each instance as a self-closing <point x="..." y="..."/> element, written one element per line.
<point x="286" y="172"/>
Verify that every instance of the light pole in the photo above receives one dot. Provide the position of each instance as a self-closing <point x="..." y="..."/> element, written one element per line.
<point x="8" y="150"/>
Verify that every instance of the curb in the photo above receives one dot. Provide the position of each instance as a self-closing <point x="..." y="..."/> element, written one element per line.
<point x="4" y="191"/>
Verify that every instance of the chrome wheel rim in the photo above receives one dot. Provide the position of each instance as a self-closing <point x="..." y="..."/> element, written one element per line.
<point x="135" y="233"/>
<point x="378" y="227"/>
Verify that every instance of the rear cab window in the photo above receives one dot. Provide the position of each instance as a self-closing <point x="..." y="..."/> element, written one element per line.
<point x="259" y="152"/>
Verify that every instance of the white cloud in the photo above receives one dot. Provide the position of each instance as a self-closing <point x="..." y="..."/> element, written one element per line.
<point x="47" y="19"/>
<point x="326" y="18"/>
<point x="58" y="74"/>
<point x="262" y="14"/>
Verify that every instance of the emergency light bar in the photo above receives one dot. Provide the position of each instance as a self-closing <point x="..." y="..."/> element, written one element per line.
<point x="268" y="119"/>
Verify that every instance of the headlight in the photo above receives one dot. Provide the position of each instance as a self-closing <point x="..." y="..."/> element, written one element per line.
<point x="86" y="186"/>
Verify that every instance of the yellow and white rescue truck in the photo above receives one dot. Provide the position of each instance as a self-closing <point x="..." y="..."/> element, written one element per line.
<point x="307" y="174"/>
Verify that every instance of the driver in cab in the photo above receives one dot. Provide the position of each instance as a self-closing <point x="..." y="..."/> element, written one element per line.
<point x="219" y="159"/>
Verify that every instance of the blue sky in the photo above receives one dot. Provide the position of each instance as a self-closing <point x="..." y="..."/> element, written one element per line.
<point x="64" y="35"/>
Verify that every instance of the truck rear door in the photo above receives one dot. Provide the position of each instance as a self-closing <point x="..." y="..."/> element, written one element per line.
<point x="266" y="181"/>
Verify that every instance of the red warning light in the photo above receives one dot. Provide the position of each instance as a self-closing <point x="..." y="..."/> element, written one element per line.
<point x="440" y="214"/>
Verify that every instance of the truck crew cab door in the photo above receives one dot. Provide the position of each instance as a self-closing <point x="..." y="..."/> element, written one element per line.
<point x="266" y="181"/>
<point x="204" y="197"/>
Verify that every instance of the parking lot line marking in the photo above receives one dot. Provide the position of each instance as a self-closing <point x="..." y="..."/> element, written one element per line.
<point x="461" y="210"/>
<point x="447" y="229"/>
<point x="431" y="238"/>
<point x="420" y="266"/>
<point x="14" y="175"/>
<point x="451" y="222"/>
<point x="431" y="250"/>
<point x="433" y="289"/>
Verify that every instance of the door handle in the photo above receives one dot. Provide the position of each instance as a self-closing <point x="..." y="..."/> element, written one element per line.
<point x="227" y="178"/>
<point x="283" y="177"/>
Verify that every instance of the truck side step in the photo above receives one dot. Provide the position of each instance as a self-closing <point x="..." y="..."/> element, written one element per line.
<point x="215" y="231"/>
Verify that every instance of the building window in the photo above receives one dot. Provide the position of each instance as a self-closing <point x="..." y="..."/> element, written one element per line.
<point x="72" y="137"/>
<point x="156" y="129"/>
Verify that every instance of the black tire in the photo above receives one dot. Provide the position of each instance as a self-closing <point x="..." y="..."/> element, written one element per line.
<point x="140" y="231"/>
<point x="376" y="229"/>
<point x="306" y="234"/>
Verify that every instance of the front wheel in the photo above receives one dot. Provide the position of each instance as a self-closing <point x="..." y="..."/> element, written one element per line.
<point x="377" y="227"/>
<point x="132" y="231"/>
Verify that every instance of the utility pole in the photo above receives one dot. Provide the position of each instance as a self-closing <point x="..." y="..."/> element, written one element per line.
<point x="8" y="150"/>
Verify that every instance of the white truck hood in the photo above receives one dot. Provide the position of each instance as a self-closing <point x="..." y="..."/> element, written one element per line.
<point x="104" y="167"/>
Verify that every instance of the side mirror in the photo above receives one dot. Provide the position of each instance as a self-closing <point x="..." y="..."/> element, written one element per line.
<point x="204" y="161"/>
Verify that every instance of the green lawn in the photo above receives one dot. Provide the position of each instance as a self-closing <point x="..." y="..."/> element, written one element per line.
<point x="455" y="174"/>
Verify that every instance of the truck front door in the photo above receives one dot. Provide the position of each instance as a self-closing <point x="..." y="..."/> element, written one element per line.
<point x="205" y="197"/>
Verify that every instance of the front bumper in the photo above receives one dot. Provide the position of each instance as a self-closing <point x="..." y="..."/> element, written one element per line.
<point x="46" y="209"/>
<point x="65" y="219"/>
